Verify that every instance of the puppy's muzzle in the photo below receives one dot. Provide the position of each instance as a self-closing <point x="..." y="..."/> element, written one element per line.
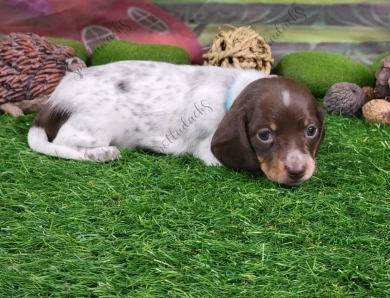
<point x="294" y="169"/>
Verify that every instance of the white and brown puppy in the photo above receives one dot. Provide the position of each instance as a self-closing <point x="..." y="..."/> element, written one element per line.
<point x="239" y="118"/>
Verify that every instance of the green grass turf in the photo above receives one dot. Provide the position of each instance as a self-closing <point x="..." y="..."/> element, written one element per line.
<point x="159" y="226"/>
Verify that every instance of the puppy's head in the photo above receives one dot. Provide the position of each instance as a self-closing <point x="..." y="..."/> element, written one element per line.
<point x="275" y="125"/>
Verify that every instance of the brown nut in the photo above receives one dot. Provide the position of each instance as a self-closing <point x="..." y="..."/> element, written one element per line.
<point x="377" y="111"/>
<point x="369" y="92"/>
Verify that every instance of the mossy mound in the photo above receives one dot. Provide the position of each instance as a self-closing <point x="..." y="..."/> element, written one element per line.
<point x="80" y="50"/>
<point x="320" y="70"/>
<point x="378" y="61"/>
<point x="120" y="50"/>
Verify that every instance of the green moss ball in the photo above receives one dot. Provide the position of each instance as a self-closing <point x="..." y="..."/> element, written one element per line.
<point x="378" y="61"/>
<point x="120" y="50"/>
<point x="80" y="50"/>
<point x="320" y="70"/>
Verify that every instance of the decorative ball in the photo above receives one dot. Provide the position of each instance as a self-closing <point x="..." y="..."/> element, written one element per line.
<point x="31" y="67"/>
<point x="241" y="48"/>
<point x="119" y="50"/>
<point x="319" y="70"/>
<point x="344" y="99"/>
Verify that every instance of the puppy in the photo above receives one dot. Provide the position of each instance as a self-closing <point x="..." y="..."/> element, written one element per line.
<point x="238" y="118"/>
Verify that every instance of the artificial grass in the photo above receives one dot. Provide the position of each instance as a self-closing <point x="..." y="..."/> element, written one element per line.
<point x="159" y="226"/>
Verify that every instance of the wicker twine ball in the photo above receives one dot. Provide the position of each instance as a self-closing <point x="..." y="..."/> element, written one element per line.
<point x="241" y="48"/>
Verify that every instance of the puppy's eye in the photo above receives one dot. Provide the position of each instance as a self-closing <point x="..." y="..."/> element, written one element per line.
<point x="311" y="131"/>
<point x="265" y="135"/>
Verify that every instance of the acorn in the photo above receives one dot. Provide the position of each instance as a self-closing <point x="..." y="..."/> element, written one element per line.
<point x="369" y="92"/>
<point x="377" y="111"/>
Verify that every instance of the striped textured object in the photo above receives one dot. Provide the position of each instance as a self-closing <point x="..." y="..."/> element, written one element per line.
<point x="357" y="29"/>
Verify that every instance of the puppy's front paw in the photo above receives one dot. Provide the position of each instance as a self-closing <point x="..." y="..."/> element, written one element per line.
<point x="211" y="161"/>
<point x="102" y="154"/>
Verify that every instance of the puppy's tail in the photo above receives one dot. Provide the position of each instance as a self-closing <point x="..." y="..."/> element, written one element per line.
<point x="38" y="141"/>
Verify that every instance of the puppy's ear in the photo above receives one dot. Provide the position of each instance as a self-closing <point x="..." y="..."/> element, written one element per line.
<point x="321" y="118"/>
<point x="230" y="144"/>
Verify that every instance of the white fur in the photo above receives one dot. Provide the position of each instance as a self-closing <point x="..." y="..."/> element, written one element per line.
<point x="166" y="108"/>
<point x="286" y="98"/>
<point x="295" y="156"/>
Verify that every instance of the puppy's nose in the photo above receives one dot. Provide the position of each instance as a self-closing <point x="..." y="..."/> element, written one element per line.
<point x="295" y="171"/>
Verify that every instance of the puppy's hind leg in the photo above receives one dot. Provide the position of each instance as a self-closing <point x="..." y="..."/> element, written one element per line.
<point x="93" y="145"/>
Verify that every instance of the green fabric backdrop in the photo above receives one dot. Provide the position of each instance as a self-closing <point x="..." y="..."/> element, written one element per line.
<point x="357" y="29"/>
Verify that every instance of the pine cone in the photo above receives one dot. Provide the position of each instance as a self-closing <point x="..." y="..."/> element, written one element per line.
<point x="344" y="99"/>
<point x="30" y="67"/>
<point x="382" y="75"/>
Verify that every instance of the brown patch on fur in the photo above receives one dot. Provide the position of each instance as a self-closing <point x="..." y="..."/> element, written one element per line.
<point x="273" y="126"/>
<point x="123" y="86"/>
<point x="51" y="120"/>
<point x="260" y="159"/>
<point x="306" y="123"/>
<point x="274" y="170"/>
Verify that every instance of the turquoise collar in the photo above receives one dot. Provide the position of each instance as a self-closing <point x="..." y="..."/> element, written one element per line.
<point x="229" y="98"/>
